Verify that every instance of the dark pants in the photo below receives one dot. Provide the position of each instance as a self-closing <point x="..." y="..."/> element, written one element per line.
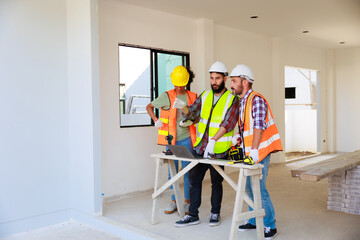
<point x="196" y="176"/>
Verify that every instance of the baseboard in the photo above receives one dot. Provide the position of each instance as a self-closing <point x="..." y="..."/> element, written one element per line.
<point x="34" y="222"/>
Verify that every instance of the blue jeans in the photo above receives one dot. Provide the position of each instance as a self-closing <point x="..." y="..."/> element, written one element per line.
<point x="188" y="144"/>
<point x="269" y="218"/>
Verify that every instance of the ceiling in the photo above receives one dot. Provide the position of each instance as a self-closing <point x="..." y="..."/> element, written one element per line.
<point x="329" y="22"/>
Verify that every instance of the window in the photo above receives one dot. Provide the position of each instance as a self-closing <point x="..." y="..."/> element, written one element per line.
<point x="144" y="73"/>
<point x="290" y="92"/>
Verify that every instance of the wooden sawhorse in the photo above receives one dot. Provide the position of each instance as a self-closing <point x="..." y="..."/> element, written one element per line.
<point x="255" y="171"/>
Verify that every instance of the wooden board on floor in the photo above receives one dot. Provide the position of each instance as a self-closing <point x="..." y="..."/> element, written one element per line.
<point x="317" y="171"/>
<point x="297" y="172"/>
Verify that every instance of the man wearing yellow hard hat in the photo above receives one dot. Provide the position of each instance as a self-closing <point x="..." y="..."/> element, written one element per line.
<point x="170" y="123"/>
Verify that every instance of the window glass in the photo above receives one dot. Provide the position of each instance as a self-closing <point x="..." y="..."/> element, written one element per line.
<point x="144" y="74"/>
<point x="166" y="64"/>
<point x="135" y="79"/>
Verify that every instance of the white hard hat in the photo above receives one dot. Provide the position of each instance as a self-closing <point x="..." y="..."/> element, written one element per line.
<point x="218" y="67"/>
<point x="244" y="71"/>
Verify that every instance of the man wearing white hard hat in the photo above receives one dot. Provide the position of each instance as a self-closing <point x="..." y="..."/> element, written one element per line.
<point x="259" y="138"/>
<point x="218" y="110"/>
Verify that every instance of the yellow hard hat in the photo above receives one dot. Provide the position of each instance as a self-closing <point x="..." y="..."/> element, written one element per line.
<point x="180" y="76"/>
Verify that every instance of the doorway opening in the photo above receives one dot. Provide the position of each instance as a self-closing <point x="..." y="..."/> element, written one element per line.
<point x="301" y="113"/>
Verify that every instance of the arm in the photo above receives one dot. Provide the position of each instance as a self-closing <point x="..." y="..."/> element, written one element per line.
<point x="257" y="138"/>
<point x="193" y="110"/>
<point x="220" y="133"/>
<point x="185" y="110"/>
<point x="259" y="111"/>
<point x="150" y="110"/>
<point x="231" y="117"/>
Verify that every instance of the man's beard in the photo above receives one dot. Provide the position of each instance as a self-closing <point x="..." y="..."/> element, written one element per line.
<point x="236" y="92"/>
<point x="220" y="87"/>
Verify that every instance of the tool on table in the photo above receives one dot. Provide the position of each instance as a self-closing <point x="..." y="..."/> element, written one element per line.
<point x="236" y="153"/>
<point x="247" y="161"/>
<point x="169" y="138"/>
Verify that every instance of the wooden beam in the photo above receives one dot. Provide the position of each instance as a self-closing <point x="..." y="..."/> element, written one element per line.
<point x="318" y="173"/>
<point x="343" y="161"/>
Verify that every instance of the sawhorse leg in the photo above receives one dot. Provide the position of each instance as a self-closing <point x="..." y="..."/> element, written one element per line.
<point x="176" y="186"/>
<point x="155" y="210"/>
<point x="241" y="196"/>
<point x="158" y="189"/>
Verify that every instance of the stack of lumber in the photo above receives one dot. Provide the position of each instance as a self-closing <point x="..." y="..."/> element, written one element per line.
<point x="323" y="169"/>
<point x="344" y="191"/>
<point x="343" y="174"/>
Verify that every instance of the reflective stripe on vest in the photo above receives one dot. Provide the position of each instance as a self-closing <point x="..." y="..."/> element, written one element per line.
<point x="270" y="140"/>
<point x="168" y="117"/>
<point x="217" y="116"/>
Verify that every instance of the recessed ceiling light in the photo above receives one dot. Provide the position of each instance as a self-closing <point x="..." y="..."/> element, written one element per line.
<point x="254" y="17"/>
<point x="306" y="31"/>
<point x="341" y="42"/>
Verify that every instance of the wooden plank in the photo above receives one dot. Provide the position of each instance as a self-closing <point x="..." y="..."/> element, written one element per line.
<point x="324" y="171"/>
<point x="238" y="205"/>
<point x="299" y="171"/>
<point x="257" y="202"/>
<point x="155" y="207"/>
<point x="176" y="186"/>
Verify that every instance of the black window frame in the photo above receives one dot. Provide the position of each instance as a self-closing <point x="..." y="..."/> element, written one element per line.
<point x="154" y="75"/>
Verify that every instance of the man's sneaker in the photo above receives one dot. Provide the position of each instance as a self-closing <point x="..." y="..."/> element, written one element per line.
<point x="214" y="219"/>
<point x="270" y="233"/>
<point x="186" y="221"/>
<point x="186" y="208"/>
<point x="246" y="227"/>
<point x="171" y="208"/>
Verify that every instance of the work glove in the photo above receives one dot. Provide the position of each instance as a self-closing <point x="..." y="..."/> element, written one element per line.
<point x="158" y="123"/>
<point x="209" y="148"/>
<point x="185" y="123"/>
<point x="254" y="154"/>
<point x="178" y="103"/>
<point x="236" y="139"/>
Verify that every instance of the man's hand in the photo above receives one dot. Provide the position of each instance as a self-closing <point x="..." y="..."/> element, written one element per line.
<point x="209" y="148"/>
<point x="236" y="139"/>
<point x="254" y="154"/>
<point x="185" y="123"/>
<point x="178" y="103"/>
<point x="158" y="123"/>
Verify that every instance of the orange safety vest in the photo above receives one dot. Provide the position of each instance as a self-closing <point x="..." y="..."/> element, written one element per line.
<point x="270" y="140"/>
<point x="168" y="117"/>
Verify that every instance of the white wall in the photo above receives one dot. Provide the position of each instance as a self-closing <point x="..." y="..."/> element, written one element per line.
<point x="347" y="99"/>
<point x="300" y="129"/>
<point x="50" y="131"/>
<point x="295" y="55"/>
<point x="125" y="169"/>
<point x="300" y="119"/>
<point x="237" y="47"/>
<point x="126" y="162"/>
<point x="34" y="154"/>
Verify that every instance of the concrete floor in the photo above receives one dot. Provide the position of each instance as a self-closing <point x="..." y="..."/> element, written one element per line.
<point x="300" y="209"/>
<point x="65" y="231"/>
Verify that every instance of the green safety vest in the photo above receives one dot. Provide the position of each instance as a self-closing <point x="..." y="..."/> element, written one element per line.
<point x="217" y="116"/>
